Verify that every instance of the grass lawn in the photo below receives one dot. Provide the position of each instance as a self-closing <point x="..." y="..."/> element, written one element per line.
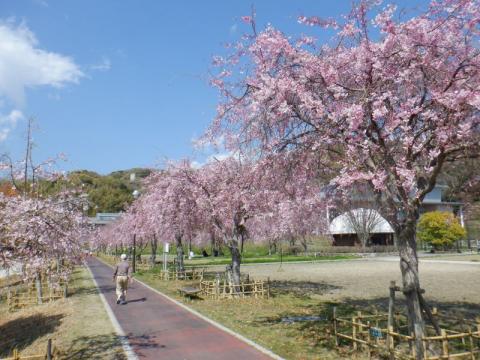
<point x="266" y="259"/>
<point x="78" y="326"/>
<point x="266" y="321"/>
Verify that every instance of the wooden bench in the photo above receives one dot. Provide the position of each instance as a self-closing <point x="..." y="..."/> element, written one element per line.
<point x="189" y="291"/>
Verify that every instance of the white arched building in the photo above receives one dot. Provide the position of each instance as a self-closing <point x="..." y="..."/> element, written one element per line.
<point x="344" y="232"/>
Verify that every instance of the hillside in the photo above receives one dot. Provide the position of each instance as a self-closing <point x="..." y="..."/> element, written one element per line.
<point x="108" y="193"/>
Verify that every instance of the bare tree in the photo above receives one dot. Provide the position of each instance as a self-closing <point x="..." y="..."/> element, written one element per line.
<point x="361" y="212"/>
<point x="363" y="221"/>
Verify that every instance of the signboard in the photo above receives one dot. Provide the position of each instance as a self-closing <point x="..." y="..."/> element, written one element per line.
<point x="166" y="247"/>
<point x="376" y="332"/>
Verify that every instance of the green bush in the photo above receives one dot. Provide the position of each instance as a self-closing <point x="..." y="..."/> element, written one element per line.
<point x="440" y="229"/>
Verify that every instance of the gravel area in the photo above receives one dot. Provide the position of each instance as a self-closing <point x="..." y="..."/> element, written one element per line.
<point x="370" y="279"/>
<point x="474" y="258"/>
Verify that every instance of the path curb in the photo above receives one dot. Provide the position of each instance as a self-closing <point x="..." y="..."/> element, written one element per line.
<point x="203" y="317"/>
<point x="118" y="329"/>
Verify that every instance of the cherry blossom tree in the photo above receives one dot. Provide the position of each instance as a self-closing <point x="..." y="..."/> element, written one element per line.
<point x="219" y="201"/>
<point x="165" y="211"/>
<point x="170" y="201"/>
<point x="226" y="199"/>
<point x="234" y="195"/>
<point x="42" y="235"/>
<point x="387" y="103"/>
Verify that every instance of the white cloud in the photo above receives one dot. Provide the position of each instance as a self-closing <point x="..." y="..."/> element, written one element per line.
<point x="212" y="158"/>
<point x="104" y="65"/>
<point x="219" y="156"/>
<point x="24" y="65"/>
<point x="8" y="122"/>
<point x="12" y="118"/>
<point x="197" y="164"/>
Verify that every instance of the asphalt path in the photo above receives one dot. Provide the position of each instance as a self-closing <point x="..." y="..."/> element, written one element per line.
<point x="158" y="328"/>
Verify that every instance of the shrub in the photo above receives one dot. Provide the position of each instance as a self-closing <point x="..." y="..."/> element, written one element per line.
<point x="440" y="229"/>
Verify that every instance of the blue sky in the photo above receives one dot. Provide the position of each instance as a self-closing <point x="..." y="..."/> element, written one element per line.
<point x="122" y="83"/>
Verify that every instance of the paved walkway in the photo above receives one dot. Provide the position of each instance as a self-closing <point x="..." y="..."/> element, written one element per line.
<point x="157" y="328"/>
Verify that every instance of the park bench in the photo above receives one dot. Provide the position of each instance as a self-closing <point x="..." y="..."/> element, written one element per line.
<point x="189" y="291"/>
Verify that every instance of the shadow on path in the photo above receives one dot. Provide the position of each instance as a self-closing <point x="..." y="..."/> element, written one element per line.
<point x="137" y="300"/>
<point x="94" y="347"/>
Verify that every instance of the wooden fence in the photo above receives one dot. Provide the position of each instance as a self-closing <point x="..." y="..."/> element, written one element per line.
<point x="370" y="333"/>
<point x="225" y="290"/>
<point x="21" y="296"/>
<point x="189" y="273"/>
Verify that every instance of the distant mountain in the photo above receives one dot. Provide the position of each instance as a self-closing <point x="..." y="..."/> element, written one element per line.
<point x="108" y="193"/>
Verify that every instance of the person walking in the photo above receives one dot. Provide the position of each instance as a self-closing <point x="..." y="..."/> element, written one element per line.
<point x="122" y="275"/>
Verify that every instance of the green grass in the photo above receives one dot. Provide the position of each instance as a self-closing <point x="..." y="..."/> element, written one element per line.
<point x="78" y="326"/>
<point x="266" y="259"/>
<point x="261" y="320"/>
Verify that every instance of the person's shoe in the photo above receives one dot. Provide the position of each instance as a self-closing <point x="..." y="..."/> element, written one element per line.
<point x="124" y="302"/>
<point x="118" y="301"/>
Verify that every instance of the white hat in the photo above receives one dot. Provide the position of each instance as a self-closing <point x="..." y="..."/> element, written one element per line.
<point x="123" y="256"/>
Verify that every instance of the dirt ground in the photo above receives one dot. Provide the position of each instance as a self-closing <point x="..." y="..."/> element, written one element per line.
<point x="469" y="257"/>
<point x="370" y="279"/>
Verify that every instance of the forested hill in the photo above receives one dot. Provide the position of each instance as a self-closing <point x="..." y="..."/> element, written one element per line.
<point x="111" y="192"/>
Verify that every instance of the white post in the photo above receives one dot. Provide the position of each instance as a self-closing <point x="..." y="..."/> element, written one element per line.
<point x="166" y="248"/>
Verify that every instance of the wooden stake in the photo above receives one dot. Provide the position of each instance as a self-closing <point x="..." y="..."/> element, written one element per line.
<point x="391" y="304"/>
<point x="335" y="325"/>
<point x="430" y="316"/>
<point x="390" y="343"/>
<point x="369" y="349"/>
<point x="354" y="332"/>
<point x="268" y="288"/>
<point x="49" y="349"/>
<point x="472" y="354"/>
<point x="412" y="344"/>
<point x="444" y="344"/>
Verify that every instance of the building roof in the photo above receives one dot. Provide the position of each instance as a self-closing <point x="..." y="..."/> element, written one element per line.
<point x="104" y="218"/>
<point x="342" y="225"/>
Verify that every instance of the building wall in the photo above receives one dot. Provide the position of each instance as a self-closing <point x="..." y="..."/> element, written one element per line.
<point x="353" y="240"/>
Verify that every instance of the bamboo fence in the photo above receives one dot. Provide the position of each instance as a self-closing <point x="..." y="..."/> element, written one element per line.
<point x="191" y="273"/>
<point x="226" y="290"/>
<point x="20" y="297"/>
<point x="369" y="333"/>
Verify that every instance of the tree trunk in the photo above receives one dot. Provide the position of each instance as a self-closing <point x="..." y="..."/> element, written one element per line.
<point x="242" y="241"/>
<point x="153" y="247"/>
<point x="304" y="245"/>
<point x="38" y="286"/>
<point x="411" y="283"/>
<point x="292" y="240"/>
<point x="178" y="244"/>
<point x="236" y="261"/>
<point x="272" y="247"/>
<point x="213" y="248"/>
<point x="364" y="241"/>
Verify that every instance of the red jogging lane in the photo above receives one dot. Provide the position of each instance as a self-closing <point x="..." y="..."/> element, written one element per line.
<point x="157" y="328"/>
